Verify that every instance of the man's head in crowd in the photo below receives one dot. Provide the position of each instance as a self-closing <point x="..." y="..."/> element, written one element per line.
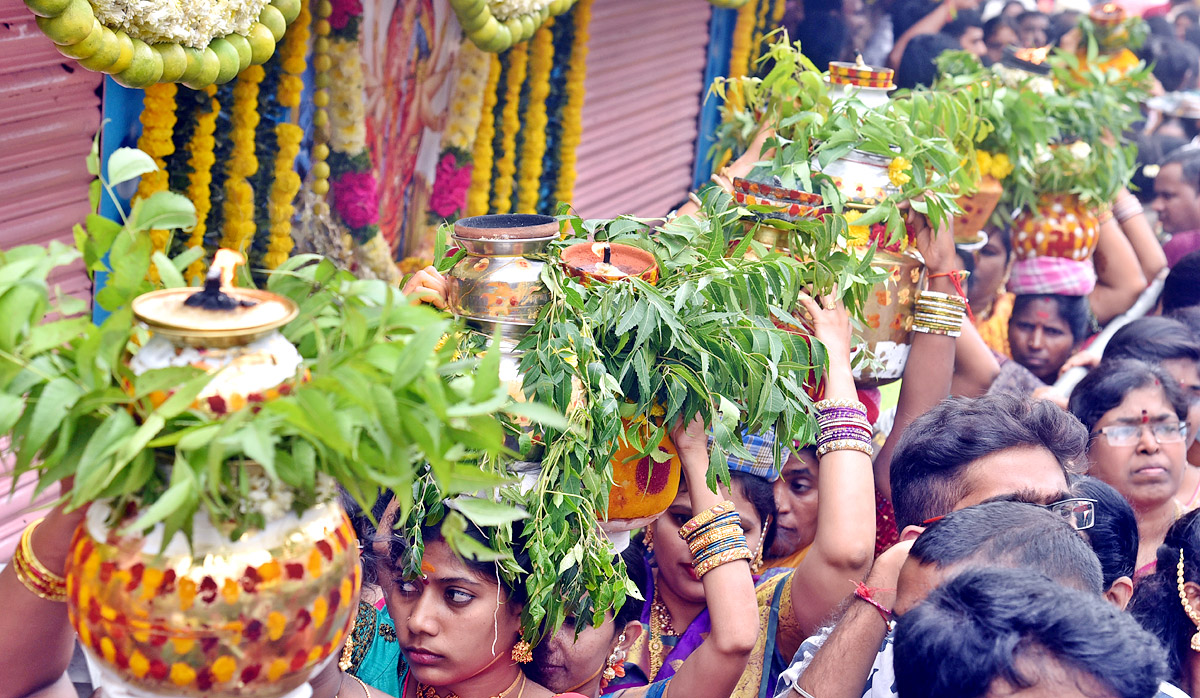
<point x="1182" y="287"/>
<point x="1113" y="537"/>
<point x="918" y="64"/>
<point x="998" y="34"/>
<point x="967" y="29"/>
<point x="1033" y="29"/>
<point x="1176" y="195"/>
<point x="1001" y="534"/>
<point x="989" y="633"/>
<point x="969" y="450"/>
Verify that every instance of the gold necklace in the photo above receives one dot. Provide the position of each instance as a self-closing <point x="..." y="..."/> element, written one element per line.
<point x="424" y="691"/>
<point x="660" y="625"/>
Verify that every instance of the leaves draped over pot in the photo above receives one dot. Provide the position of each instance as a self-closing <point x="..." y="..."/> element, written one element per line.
<point x="386" y="400"/>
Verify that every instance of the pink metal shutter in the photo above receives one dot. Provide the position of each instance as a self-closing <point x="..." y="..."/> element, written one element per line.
<point x="49" y="112"/>
<point x="644" y="87"/>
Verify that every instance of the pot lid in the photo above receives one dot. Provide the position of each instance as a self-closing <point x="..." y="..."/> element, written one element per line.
<point x="507" y="226"/>
<point x="256" y="312"/>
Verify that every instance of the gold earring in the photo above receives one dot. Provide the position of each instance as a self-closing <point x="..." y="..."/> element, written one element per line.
<point x="522" y="652"/>
<point x="347" y="655"/>
<point x="648" y="538"/>
<point x="756" y="564"/>
<point x="1192" y="613"/>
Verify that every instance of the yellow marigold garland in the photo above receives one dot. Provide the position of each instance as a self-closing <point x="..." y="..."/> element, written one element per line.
<point x="572" y="113"/>
<point x="200" y="148"/>
<point x="467" y="99"/>
<point x="510" y="123"/>
<point x="541" y="60"/>
<point x="243" y="163"/>
<point x="743" y="33"/>
<point x="291" y="58"/>
<point x="158" y="126"/>
<point x="481" y="155"/>
<point x="283" y="193"/>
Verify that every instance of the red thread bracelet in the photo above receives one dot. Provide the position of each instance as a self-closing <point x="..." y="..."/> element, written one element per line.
<point x="863" y="592"/>
<point x="956" y="278"/>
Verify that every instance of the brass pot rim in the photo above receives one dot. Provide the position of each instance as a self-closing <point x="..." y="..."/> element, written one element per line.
<point x="152" y="309"/>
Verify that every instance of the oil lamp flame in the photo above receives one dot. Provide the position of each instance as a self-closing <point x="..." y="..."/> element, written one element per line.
<point x="1036" y="56"/>
<point x="603" y="250"/>
<point x="217" y="281"/>
<point x="1110" y="8"/>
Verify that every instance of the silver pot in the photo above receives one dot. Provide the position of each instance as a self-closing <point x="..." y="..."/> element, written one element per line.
<point x="498" y="286"/>
<point x="861" y="177"/>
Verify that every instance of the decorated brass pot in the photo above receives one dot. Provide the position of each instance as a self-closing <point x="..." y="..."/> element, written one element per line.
<point x="1060" y="227"/>
<point x="868" y="83"/>
<point x="887" y="316"/>
<point x="258" y="616"/>
<point x="228" y="331"/>
<point x="498" y="284"/>
<point x="862" y="178"/>
<point x="977" y="208"/>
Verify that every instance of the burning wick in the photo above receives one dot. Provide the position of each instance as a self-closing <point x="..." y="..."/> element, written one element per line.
<point x="218" y="277"/>
<point x="604" y="251"/>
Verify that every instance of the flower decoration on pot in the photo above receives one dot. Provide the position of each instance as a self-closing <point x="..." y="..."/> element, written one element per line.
<point x="143" y="42"/>
<point x="215" y="555"/>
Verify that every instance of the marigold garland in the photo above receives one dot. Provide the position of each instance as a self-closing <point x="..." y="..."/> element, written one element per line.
<point x="572" y="113"/>
<point x="510" y="123"/>
<point x="481" y="176"/>
<point x="201" y="162"/>
<point x="283" y="194"/>
<point x="466" y="102"/>
<point x="243" y="163"/>
<point x="743" y="34"/>
<point x="291" y="57"/>
<point x="158" y="125"/>
<point x="541" y="61"/>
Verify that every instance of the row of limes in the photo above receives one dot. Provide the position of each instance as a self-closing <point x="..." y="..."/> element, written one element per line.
<point x="489" y="33"/>
<point x="72" y="25"/>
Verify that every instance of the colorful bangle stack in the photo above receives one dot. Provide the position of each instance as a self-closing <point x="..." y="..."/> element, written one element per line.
<point x="1127" y="207"/>
<point x="33" y="574"/>
<point x="844" y="427"/>
<point x="715" y="537"/>
<point x="939" y="313"/>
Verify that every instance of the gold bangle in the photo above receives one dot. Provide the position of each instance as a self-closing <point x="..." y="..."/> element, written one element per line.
<point x="742" y="553"/>
<point x="846" y="445"/>
<point x="706" y="516"/>
<point x="854" y="404"/>
<point x="33" y="574"/>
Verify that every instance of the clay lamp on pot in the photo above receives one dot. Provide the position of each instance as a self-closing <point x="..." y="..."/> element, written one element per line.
<point x="607" y="262"/>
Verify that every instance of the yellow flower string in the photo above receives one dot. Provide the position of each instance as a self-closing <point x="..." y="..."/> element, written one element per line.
<point x="761" y="12"/>
<point x="541" y="60"/>
<point x="481" y="155"/>
<point x="243" y="163"/>
<point x="291" y="59"/>
<point x="572" y="112"/>
<point x="857" y="236"/>
<point x="743" y="31"/>
<point x="158" y="127"/>
<point x="283" y="194"/>
<point x="466" y="102"/>
<point x="898" y="171"/>
<point x="200" y="148"/>
<point x="510" y="123"/>
<point x="779" y="10"/>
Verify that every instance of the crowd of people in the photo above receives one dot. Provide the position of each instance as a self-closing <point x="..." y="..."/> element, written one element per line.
<point x="1008" y="536"/>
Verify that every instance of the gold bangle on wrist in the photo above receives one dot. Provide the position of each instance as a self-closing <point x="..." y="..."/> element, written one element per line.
<point x="33" y="574"/>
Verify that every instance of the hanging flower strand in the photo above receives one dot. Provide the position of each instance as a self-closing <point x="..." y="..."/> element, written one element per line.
<point x="288" y="137"/>
<point x="572" y="113"/>
<point x="481" y="175"/>
<point x="243" y="163"/>
<point x="510" y="123"/>
<point x="541" y="60"/>
<point x="199" y="190"/>
<point x="158" y="125"/>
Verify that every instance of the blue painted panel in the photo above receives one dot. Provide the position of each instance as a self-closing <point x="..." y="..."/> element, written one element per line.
<point x="720" y="41"/>
<point x="121" y="109"/>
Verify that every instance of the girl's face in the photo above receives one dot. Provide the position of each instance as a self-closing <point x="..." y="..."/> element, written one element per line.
<point x="454" y="624"/>
<point x="991" y="268"/>
<point x="1146" y="472"/>
<point x="672" y="554"/>
<point x="795" y="505"/>
<point x="1041" y="339"/>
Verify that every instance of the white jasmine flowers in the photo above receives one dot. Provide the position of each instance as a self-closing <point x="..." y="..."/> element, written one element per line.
<point x="192" y="23"/>
<point x="506" y="9"/>
<point x="1080" y="150"/>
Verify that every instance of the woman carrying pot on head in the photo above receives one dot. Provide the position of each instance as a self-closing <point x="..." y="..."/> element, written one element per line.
<point x="594" y="661"/>
<point x="1137" y="417"/>
<point x="791" y="603"/>
<point x="459" y="623"/>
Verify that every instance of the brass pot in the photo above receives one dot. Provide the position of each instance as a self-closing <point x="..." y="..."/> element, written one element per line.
<point x="498" y="284"/>
<point x="255" y="617"/>
<point x="887" y="317"/>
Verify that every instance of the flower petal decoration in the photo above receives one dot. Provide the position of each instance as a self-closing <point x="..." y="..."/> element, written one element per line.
<point x="145" y="42"/>
<point x="496" y="25"/>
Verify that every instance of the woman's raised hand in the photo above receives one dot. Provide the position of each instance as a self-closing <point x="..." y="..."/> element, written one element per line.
<point x="428" y="286"/>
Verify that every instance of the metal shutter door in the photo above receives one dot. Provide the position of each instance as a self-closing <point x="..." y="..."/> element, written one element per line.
<point x="49" y="112"/>
<point x="644" y="88"/>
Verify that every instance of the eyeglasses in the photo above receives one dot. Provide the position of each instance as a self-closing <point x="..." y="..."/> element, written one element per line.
<point x="1128" y="434"/>
<point x="1078" y="512"/>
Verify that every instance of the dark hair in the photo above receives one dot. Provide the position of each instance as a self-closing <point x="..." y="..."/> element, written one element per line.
<point x="1154" y="340"/>
<point x="365" y="527"/>
<point x="918" y="63"/>
<point x="823" y="34"/>
<point x="1061" y="24"/>
<point x="1152" y="149"/>
<point x="1074" y="310"/>
<point x="1174" y="63"/>
<point x="1106" y="386"/>
<point x="1114" y="536"/>
<point x="1188" y="158"/>
<point x="906" y="13"/>
<point x="995" y="24"/>
<point x="965" y="20"/>
<point x="1011" y="534"/>
<point x="1031" y="14"/>
<point x="985" y="624"/>
<point x="634" y="557"/>
<point x="1190" y="317"/>
<point x="931" y="459"/>
<point x="1156" y="599"/>
<point x="761" y="494"/>
<point x="1182" y="287"/>
<point x="1159" y="28"/>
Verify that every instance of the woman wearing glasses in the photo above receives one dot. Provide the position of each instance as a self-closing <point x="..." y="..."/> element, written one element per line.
<point x="1137" y="418"/>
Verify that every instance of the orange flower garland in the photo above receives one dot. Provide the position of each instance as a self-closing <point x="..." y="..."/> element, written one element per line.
<point x="158" y="126"/>
<point x="572" y="112"/>
<point x="291" y="57"/>
<point x="288" y="137"/>
<point x="481" y="156"/>
<point x="541" y="60"/>
<point x="743" y="33"/>
<point x="199" y="191"/>
<point x="243" y="163"/>
<point x="510" y="123"/>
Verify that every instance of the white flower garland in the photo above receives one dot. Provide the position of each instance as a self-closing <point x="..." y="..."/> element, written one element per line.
<point x="506" y="9"/>
<point x="347" y="114"/>
<point x="192" y="23"/>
